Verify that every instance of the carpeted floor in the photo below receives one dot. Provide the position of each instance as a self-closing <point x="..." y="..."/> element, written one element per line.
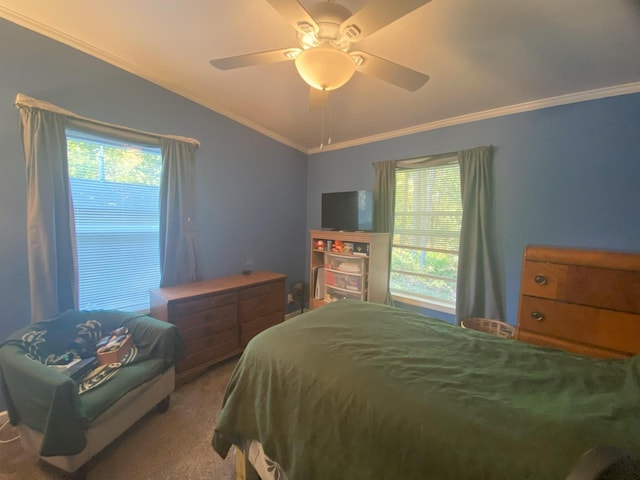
<point x="174" y="445"/>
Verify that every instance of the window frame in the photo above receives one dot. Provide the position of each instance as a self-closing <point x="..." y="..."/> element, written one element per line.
<point x="412" y="298"/>
<point x="109" y="139"/>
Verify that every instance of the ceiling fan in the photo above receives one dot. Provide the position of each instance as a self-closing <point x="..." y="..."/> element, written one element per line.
<point x="325" y="58"/>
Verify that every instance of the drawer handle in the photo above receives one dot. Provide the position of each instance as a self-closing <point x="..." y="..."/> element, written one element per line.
<point x="537" y="316"/>
<point x="540" y="279"/>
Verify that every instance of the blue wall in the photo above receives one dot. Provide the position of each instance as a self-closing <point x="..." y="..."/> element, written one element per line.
<point x="250" y="189"/>
<point x="567" y="176"/>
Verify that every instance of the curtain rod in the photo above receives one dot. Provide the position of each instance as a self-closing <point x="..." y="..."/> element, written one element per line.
<point x="423" y="157"/>
<point x="433" y="157"/>
<point x="23" y="100"/>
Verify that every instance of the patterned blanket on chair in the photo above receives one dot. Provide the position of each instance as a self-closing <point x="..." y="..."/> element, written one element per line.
<point x="52" y="402"/>
<point x="65" y="342"/>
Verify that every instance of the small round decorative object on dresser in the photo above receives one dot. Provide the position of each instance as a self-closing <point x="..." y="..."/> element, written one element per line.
<point x="487" y="325"/>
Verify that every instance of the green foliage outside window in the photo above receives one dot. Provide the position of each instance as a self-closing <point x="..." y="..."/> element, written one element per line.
<point x="443" y="265"/>
<point x="93" y="161"/>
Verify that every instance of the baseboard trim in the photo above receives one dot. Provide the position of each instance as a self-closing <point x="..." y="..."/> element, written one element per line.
<point x="289" y="316"/>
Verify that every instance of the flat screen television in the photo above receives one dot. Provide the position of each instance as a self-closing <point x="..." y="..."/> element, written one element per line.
<point x="347" y="211"/>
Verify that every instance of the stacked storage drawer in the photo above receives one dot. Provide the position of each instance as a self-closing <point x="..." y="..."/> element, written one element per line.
<point x="345" y="277"/>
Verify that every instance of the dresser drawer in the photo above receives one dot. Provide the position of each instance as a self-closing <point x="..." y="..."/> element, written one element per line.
<point x="601" y="287"/>
<point x="206" y="350"/>
<point x="248" y="330"/>
<point x="206" y="329"/>
<point x="208" y="315"/>
<point x="187" y="306"/>
<point x="264" y="289"/>
<point x="216" y="318"/>
<point x="261" y="306"/>
<point x="543" y="279"/>
<point x="216" y="342"/>
<point x="613" y="330"/>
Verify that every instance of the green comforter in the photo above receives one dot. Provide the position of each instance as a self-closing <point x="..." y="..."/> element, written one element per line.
<point x="359" y="390"/>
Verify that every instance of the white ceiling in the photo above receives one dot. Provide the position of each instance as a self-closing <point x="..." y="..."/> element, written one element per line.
<point x="485" y="58"/>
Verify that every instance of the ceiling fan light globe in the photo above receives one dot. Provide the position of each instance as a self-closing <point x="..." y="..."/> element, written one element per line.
<point x="325" y="68"/>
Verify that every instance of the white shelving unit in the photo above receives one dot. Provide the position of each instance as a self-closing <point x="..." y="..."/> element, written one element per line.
<point x="351" y="265"/>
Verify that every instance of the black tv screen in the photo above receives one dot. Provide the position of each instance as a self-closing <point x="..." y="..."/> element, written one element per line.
<point x="347" y="211"/>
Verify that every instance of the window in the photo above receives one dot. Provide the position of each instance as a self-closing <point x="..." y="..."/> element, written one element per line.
<point x="115" y="188"/>
<point x="428" y="216"/>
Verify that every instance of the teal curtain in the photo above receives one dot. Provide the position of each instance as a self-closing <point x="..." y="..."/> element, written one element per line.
<point x="384" y="196"/>
<point x="384" y="205"/>
<point x="478" y="292"/>
<point x="479" y="287"/>
<point x="51" y="235"/>
<point x="178" y="251"/>
<point x="51" y="232"/>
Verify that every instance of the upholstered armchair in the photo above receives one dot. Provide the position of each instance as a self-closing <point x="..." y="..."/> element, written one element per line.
<point x="66" y="422"/>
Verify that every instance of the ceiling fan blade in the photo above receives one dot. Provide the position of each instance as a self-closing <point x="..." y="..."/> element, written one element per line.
<point x="317" y="98"/>
<point x="390" y="72"/>
<point x="251" y="59"/>
<point x="296" y="15"/>
<point x="377" y="14"/>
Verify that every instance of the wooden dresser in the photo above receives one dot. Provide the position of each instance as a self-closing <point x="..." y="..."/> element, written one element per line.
<point x="584" y="301"/>
<point x="218" y="317"/>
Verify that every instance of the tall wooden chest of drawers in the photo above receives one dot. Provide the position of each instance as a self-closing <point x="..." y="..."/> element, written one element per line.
<point x="584" y="301"/>
<point x="218" y="317"/>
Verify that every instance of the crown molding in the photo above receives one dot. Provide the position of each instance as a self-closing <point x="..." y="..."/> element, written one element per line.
<point x="625" y="89"/>
<point x="139" y="71"/>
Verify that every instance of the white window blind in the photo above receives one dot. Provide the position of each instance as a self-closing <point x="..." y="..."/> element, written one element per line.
<point x="115" y="189"/>
<point x="428" y="216"/>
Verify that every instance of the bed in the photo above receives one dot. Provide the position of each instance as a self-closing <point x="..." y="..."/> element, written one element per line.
<point x="368" y="391"/>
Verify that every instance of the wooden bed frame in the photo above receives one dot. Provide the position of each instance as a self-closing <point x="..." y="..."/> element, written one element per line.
<point x="580" y="300"/>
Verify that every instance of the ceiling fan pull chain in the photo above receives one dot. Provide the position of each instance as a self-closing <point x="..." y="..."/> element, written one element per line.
<point x="328" y="106"/>
<point x="326" y="122"/>
<point x="322" y="127"/>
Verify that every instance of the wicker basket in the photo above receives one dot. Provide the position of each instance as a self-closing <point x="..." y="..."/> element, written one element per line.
<point x="493" y="327"/>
